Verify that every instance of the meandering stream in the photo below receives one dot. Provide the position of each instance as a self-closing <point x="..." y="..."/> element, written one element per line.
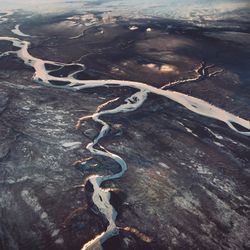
<point x="44" y="73"/>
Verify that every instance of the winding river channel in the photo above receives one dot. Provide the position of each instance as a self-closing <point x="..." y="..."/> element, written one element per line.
<point x="44" y="73"/>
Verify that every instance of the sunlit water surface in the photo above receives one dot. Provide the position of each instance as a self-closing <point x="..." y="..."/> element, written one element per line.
<point x="185" y="9"/>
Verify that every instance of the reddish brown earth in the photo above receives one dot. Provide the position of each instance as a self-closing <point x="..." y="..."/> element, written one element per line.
<point x="187" y="184"/>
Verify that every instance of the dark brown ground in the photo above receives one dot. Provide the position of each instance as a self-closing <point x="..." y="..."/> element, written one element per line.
<point x="185" y="188"/>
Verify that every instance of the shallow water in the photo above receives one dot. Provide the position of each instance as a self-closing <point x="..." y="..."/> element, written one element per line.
<point x="43" y="75"/>
<point x="101" y="197"/>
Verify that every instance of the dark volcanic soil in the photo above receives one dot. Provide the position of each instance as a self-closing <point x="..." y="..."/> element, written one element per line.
<point x="188" y="179"/>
